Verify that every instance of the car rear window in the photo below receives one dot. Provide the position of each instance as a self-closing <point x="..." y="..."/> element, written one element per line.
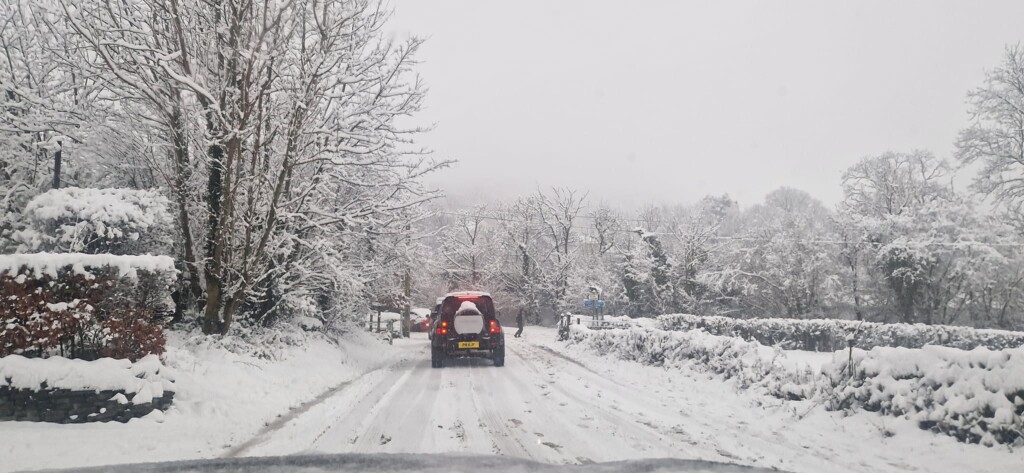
<point x="451" y="305"/>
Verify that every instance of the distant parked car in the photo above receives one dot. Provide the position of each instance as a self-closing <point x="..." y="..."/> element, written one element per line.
<point x="419" y="319"/>
<point x="433" y="316"/>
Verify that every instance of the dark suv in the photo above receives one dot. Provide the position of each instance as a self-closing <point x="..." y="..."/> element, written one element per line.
<point x="466" y="326"/>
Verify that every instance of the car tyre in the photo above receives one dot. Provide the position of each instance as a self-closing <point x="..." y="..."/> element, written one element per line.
<point x="499" y="357"/>
<point x="436" y="359"/>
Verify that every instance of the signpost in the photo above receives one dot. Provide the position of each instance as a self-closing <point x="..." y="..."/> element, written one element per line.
<point x="595" y="303"/>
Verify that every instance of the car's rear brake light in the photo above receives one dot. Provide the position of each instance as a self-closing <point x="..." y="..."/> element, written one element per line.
<point x="443" y="329"/>
<point x="495" y="328"/>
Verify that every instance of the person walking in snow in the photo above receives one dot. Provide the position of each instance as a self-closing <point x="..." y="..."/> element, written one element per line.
<point x="519" y="323"/>
<point x="563" y="326"/>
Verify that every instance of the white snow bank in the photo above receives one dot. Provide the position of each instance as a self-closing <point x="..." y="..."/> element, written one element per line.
<point x="40" y="264"/>
<point x="976" y="396"/>
<point x="226" y="390"/>
<point x="146" y="377"/>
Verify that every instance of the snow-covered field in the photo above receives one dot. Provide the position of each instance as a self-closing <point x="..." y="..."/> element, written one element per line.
<point x="552" y="402"/>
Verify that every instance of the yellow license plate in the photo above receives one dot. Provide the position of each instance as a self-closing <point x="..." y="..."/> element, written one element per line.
<point x="469" y="344"/>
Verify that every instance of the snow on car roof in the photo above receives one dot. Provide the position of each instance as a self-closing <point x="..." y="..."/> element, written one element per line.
<point x="468" y="294"/>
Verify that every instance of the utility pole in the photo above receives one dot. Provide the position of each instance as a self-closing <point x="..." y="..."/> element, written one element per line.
<point x="408" y="304"/>
<point x="407" y="286"/>
<point x="56" y="164"/>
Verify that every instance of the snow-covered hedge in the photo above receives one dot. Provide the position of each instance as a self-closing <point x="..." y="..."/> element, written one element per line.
<point x="117" y="221"/>
<point x="976" y="396"/>
<point x="83" y="306"/>
<point x="828" y="335"/>
<point x="748" y="363"/>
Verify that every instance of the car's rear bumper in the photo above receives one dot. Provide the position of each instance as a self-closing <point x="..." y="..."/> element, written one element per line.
<point x="450" y="345"/>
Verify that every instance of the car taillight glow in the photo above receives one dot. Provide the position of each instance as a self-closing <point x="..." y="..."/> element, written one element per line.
<point x="443" y="329"/>
<point x="495" y="328"/>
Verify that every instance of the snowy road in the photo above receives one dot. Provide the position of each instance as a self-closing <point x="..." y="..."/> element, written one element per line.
<point x="539" y="406"/>
<point x="547" y="406"/>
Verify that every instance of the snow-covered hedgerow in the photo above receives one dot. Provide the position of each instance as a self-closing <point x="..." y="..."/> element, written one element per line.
<point x="748" y="363"/>
<point x="117" y="221"/>
<point x="976" y="396"/>
<point x="827" y="335"/>
<point x="83" y="306"/>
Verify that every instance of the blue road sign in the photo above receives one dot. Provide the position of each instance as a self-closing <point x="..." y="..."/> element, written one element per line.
<point x="599" y="304"/>
<point x="588" y="303"/>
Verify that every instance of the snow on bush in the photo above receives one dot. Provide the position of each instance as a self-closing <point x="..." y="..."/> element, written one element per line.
<point x="117" y="221"/>
<point x="976" y="396"/>
<point x="37" y="265"/>
<point x="827" y="335"/>
<point x="748" y="363"/>
<point x="83" y="306"/>
<point x="146" y="378"/>
<point x="309" y="323"/>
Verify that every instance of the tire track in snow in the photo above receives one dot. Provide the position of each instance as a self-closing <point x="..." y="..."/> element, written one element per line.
<point x="385" y="427"/>
<point x="505" y="441"/>
<point x="643" y="437"/>
<point x="277" y="424"/>
<point x="748" y="444"/>
<point x="549" y="431"/>
<point x="644" y="412"/>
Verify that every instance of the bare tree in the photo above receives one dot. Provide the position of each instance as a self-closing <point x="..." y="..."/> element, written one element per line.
<point x="559" y="213"/>
<point x="996" y="135"/>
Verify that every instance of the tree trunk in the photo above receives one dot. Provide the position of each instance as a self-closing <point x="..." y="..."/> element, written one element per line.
<point x="182" y="171"/>
<point x="56" y="164"/>
<point x="211" y="315"/>
<point x="214" y="252"/>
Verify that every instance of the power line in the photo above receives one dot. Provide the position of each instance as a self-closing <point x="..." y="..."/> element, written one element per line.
<point x="733" y="238"/>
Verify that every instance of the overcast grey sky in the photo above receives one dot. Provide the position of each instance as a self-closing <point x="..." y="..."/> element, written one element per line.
<point x="667" y="101"/>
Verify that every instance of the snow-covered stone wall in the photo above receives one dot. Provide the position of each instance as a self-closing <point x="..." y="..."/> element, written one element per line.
<point x="74" y="391"/>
